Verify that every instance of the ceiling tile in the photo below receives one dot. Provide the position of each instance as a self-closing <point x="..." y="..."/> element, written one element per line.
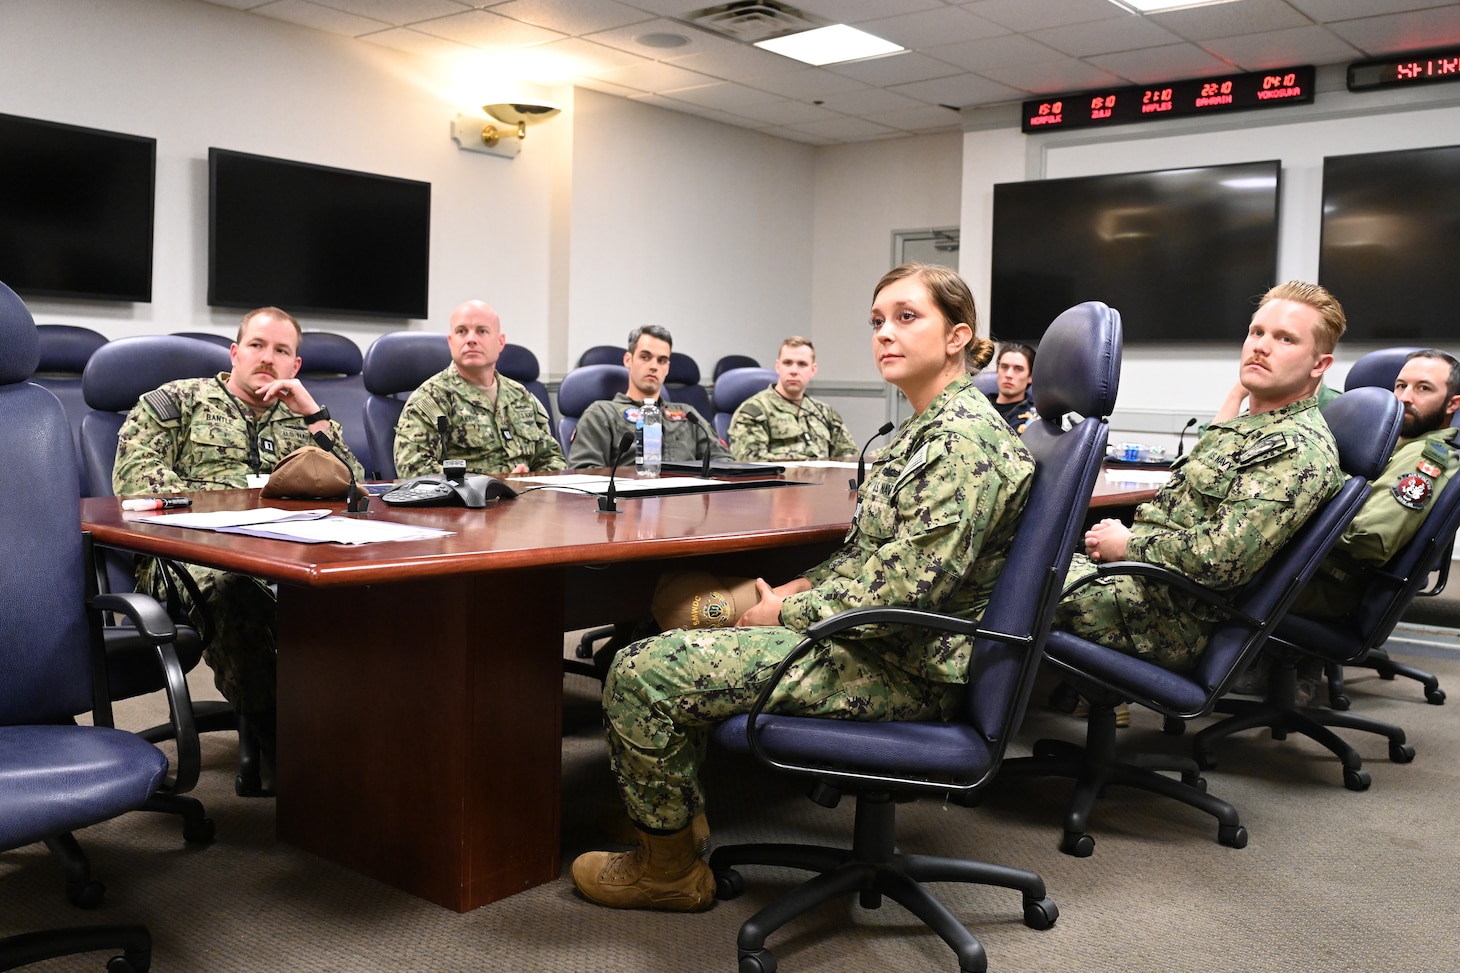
<point x="572" y="16"/>
<point x="1022" y="15"/>
<point x="739" y="62"/>
<point x="1162" y="63"/>
<point x="786" y="113"/>
<point x="398" y="12"/>
<point x="856" y="11"/>
<point x="1105" y="37"/>
<point x="845" y="128"/>
<point x="923" y="118"/>
<point x="320" y="18"/>
<point x="238" y="4"/>
<point x="1325" y="11"/>
<point x="945" y="25"/>
<point x="1281" y="48"/>
<point x="798" y="136"/>
<point x="700" y="111"/>
<point x="654" y="77"/>
<point x="808" y="83"/>
<point x="723" y="95"/>
<point x="867" y="101"/>
<point x="627" y="39"/>
<point x="895" y="69"/>
<point x="1229" y="19"/>
<point x="1065" y="74"/>
<point x="994" y="52"/>
<point x="415" y="42"/>
<point x="962" y="90"/>
<point x="1394" y="33"/>
<point x="485" y="30"/>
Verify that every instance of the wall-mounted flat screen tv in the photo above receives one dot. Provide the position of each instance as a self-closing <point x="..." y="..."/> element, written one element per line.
<point x="75" y="211"/>
<point x="1391" y="244"/>
<point x="311" y="238"/>
<point x="1181" y="253"/>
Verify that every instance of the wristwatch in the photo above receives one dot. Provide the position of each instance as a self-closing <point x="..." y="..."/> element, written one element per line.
<point x="320" y="416"/>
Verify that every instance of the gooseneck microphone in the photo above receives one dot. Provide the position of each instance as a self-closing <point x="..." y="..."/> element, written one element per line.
<point x="1181" y="439"/>
<point x="608" y="503"/>
<point x="702" y="437"/>
<point x="357" y="501"/>
<point x="856" y="484"/>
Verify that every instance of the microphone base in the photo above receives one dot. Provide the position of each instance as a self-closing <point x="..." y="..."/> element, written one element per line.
<point x="607" y="505"/>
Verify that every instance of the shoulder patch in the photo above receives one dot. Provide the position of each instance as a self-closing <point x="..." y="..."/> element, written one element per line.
<point x="163" y="404"/>
<point x="1274" y="442"/>
<point x="632" y="413"/>
<point x="675" y="415"/>
<point x="1437" y="452"/>
<point x="1413" y="490"/>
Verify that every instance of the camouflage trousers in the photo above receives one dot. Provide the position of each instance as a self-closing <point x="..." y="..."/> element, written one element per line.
<point x="664" y="694"/>
<point x="240" y="648"/>
<point x="1134" y="615"/>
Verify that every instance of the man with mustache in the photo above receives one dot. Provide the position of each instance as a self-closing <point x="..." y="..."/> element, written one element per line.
<point x="1243" y="491"/>
<point x="211" y="434"/>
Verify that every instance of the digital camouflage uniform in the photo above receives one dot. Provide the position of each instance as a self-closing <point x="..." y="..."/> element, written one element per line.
<point x="194" y="434"/>
<point x="1244" y="489"/>
<point x="492" y="437"/>
<point x="932" y="530"/>
<point x="1401" y="500"/>
<point x="604" y="424"/>
<point x="769" y="427"/>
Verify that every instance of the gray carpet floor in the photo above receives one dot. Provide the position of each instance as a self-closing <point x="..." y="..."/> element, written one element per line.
<point x="1331" y="879"/>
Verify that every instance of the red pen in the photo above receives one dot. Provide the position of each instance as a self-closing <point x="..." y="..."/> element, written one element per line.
<point x="156" y="503"/>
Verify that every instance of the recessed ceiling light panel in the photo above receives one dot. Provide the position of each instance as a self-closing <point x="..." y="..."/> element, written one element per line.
<point x="829" y="45"/>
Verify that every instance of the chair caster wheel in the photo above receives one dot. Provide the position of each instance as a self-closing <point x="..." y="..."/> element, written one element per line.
<point x="1232" y="835"/>
<point x="1401" y="753"/>
<point x="760" y="961"/>
<point x="729" y="884"/>
<point x="120" y="964"/>
<point x="1356" y="780"/>
<point x="1196" y="781"/>
<point x="85" y="895"/>
<point x="1041" y="914"/>
<point x="1338" y="702"/>
<point x="1077" y="845"/>
<point x="198" y="832"/>
<point x="1435" y="696"/>
<point x="1171" y="726"/>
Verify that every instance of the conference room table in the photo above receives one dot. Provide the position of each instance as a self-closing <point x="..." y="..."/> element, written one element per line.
<point x="420" y="681"/>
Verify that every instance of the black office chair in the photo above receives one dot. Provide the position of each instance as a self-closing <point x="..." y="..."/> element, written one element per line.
<point x="395" y="366"/>
<point x="330" y="367"/>
<point x="884" y="762"/>
<point x="601" y="355"/>
<point x="117" y="376"/>
<point x="682" y="384"/>
<point x="56" y="776"/>
<point x="732" y="361"/>
<point x="1365" y="424"/>
<point x="520" y="365"/>
<point x="1380" y="369"/>
<point x="65" y="350"/>
<point x="732" y="388"/>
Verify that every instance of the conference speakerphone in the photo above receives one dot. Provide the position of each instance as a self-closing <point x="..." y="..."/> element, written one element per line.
<point x="1171" y="99"/>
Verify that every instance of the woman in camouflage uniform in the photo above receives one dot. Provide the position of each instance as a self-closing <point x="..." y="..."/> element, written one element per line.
<point x="932" y="529"/>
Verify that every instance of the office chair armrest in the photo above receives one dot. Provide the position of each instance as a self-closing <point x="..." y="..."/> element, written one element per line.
<point x="1141" y="569"/>
<point x="153" y="624"/>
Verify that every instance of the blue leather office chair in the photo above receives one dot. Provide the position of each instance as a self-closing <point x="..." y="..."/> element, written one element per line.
<point x="987" y="382"/>
<point x="117" y="376"/>
<point x="224" y="341"/>
<point x="520" y="365"/>
<point x="732" y="388"/>
<point x="55" y="776"/>
<point x="682" y="384"/>
<point x="1365" y="424"/>
<point x="65" y="349"/>
<point x="582" y="387"/>
<point x="330" y="367"/>
<point x="732" y="361"/>
<point x="601" y="355"/>
<point x="882" y="762"/>
<point x="395" y="366"/>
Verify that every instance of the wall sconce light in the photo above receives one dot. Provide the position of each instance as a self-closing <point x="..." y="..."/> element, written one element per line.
<point x="497" y="137"/>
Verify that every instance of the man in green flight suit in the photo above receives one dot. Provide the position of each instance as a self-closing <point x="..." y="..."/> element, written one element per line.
<point x="782" y="422"/>
<point x="1243" y="491"/>
<point x="211" y="434"/>
<point x="1429" y="387"/>
<point x="493" y="423"/>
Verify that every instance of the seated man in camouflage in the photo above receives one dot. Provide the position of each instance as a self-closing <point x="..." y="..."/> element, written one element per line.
<point x="210" y="434"/>
<point x="492" y="422"/>
<point x="1243" y="491"/>
<point x="783" y="422"/>
<point x="686" y="433"/>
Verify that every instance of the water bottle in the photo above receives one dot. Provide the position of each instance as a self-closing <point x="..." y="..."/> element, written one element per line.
<point x="651" y="439"/>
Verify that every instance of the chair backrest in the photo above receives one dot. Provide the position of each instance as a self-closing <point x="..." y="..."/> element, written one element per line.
<point x="520" y="365"/>
<point x="1380" y="369"/>
<point x="120" y="373"/>
<point x="65" y="350"/>
<point x="221" y="340"/>
<point x="987" y="382"/>
<point x="45" y="670"/>
<point x="1080" y="357"/>
<point x="601" y="355"/>
<point x="682" y="383"/>
<point x="582" y="387"/>
<point x="1365" y="424"/>
<point x="732" y="361"/>
<point x="732" y="388"/>
<point x="330" y="366"/>
<point x="395" y="365"/>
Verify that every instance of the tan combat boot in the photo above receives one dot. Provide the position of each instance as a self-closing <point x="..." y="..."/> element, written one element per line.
<point x="664" y="872"/>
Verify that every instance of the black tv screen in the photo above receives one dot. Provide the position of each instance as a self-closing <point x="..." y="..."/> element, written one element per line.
<point x="311" y="238"/>
<point x="1181" y="253"/>
<point x="75" y="210"/>
<point x="1391" y="242"/>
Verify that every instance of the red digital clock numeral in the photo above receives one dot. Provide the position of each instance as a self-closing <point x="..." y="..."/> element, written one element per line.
<point x="1214" y="94"/>
<point x="1048" y="113"/>
<point x="1102" y="106"/>
<point x="1156" y="100"/>
<point x="1278" y="86"/>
